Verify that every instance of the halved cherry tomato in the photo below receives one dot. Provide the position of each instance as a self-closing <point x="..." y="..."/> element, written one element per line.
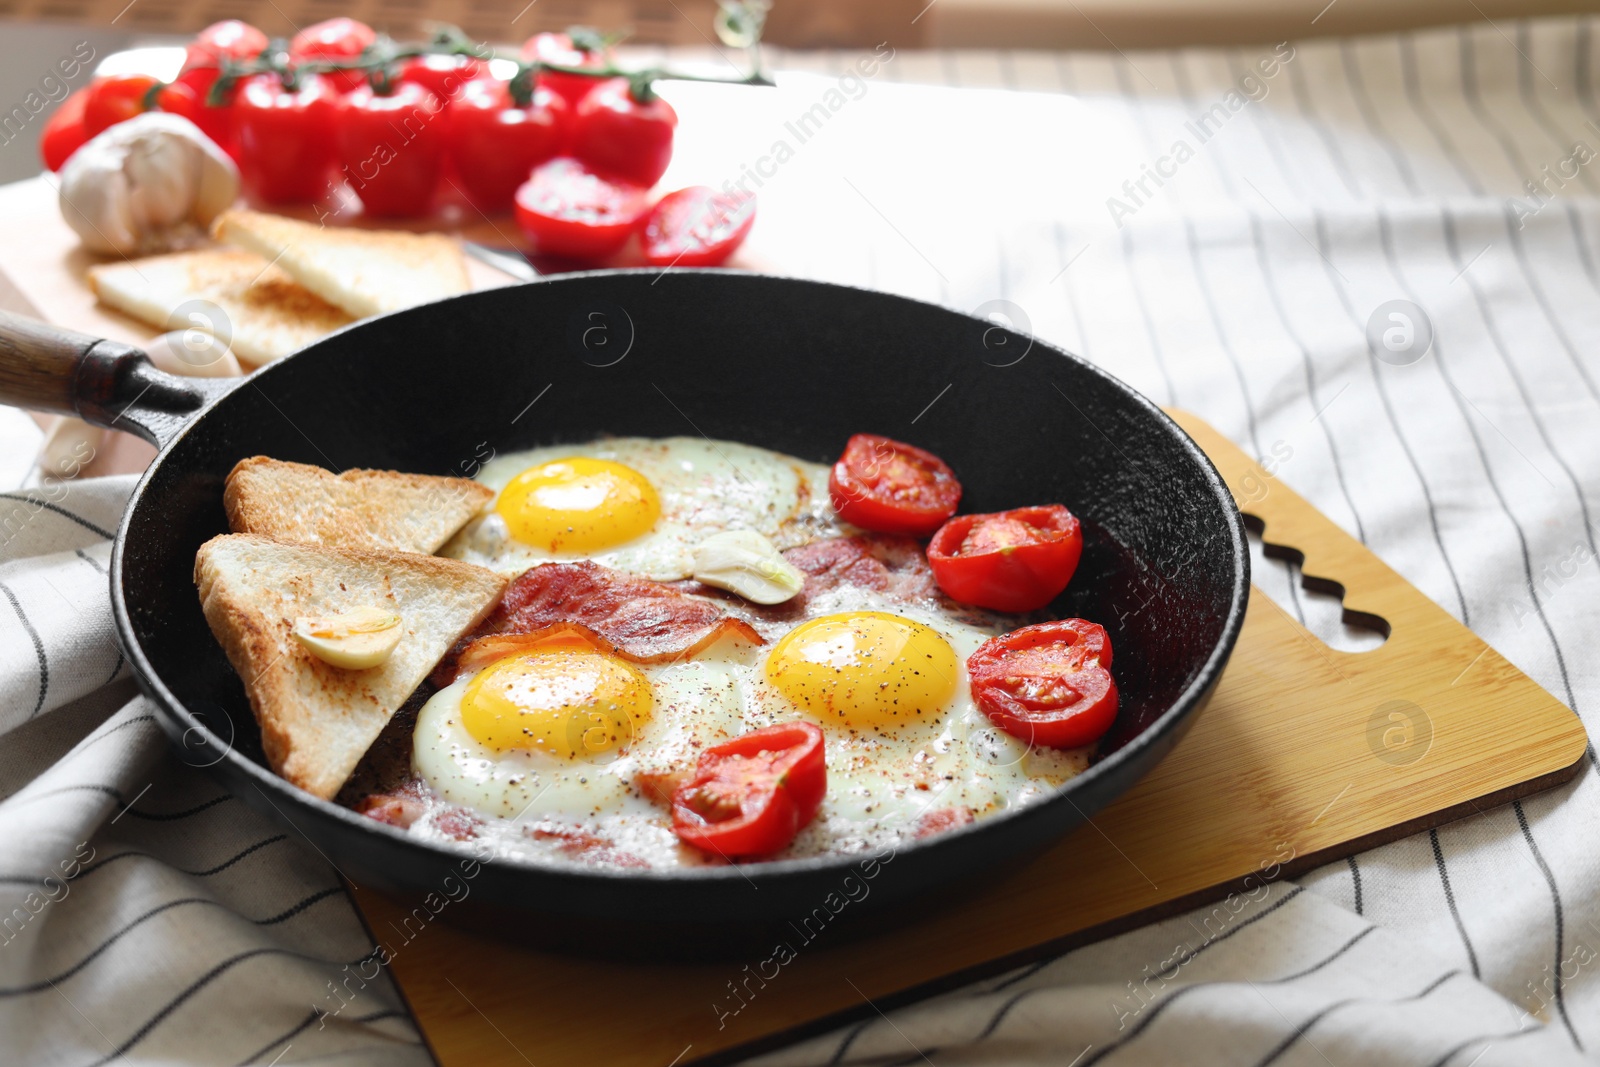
<point x="892" y="487"/>
<point x="697" y="227"/>
<point x="619" y="136"/>
<point x="1048" y="684"/>
<point x="494" y="145"/>
<point x="1010" y="561"/>
<point x="116" y="98"/>
<point x="339" y="38"/>
<point x="559" y="49"/>
<point x="63" y="132"/>
<point x="286" y="137"/>
<point x="749" y="797"/>
<point x="446" y="77"/>
<point x="391" y="148"/>
<point x="566" y="209"/>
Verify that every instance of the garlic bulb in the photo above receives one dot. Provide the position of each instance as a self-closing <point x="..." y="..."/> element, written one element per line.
<point x="150" y="184"/>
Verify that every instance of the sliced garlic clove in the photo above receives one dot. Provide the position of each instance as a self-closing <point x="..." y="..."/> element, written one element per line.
<point x="354" y="640"/>
<point x="746" y="563"/>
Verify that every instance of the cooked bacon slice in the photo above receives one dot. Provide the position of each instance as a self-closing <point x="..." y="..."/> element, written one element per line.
<point x="942" y="819"/>
<point x="634" y="618"/>
<point x="582" y="845"/>
<point x="895" y="566"/>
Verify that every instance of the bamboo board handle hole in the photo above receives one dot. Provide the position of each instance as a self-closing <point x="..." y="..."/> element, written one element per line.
<point x="1316" y="601"/>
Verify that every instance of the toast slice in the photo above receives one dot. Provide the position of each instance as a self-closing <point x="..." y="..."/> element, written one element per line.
<point x="365" y="272"/>
<point x="318" y="720"/>
<point x="268" y="314"/>
<point x="362" y="509"/>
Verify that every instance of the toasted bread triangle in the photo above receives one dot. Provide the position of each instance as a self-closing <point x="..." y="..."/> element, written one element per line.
<point x="268" y="314"/>
<point x="365" y="272"/>
<point x="361" y="509"/>
<point x="318" y="720"/>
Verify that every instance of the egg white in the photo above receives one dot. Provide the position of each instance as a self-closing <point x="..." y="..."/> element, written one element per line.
<point x="881" y="780"/>
<point x="705" y="487"/>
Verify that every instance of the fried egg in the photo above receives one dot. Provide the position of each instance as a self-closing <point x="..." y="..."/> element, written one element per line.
<point x="566" y="735"/>
<point x="565" y="743"/>
<point x="640" y="505"/>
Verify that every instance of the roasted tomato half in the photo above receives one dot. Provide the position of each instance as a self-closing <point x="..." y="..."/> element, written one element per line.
<point x="1049" y="684"/>
<point x="894" y="488"/>
<point x="749" y="797"/>
<point x="1009" y="561"/>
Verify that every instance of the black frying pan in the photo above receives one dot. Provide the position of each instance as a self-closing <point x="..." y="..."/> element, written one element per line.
<point x="795" y="366"/>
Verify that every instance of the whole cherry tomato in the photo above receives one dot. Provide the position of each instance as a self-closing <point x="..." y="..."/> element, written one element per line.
<point x="286" y="137"/>
<point x="391" y="148"/>
<point x="697" y="227"/>
<point x="1048" y="684"/>
<point x="623" y="137"/>
<point x="568" y="210"/>
<point x="446" y="77"/>
<point x="335" y="39"/>
<point x="559" y="49"/>
<point x="182" y="98"/>
<point x="494" y="144"/>
<point x="749" y="797"/>
<point x="63" y="132"/>
<point x="116" y="98"/>
<point x="891" y="487"/>
<point x="1011" y="561"/>
<point x="229" y="39"/>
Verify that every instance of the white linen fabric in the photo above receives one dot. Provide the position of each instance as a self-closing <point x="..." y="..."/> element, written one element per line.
<point x="1277" y="199"/>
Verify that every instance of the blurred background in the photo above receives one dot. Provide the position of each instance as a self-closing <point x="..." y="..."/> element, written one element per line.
<point x="29" y="27"/>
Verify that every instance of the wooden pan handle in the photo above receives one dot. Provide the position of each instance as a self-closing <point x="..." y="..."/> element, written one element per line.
<point x="107" y="383"/>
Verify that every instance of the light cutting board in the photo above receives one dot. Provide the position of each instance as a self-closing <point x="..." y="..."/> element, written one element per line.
<point x="1305" y="754"/>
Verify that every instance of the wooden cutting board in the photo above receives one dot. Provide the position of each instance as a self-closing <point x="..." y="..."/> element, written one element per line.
<point x="1305" y="754"/>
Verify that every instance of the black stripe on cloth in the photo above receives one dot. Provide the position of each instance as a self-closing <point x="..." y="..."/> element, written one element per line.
<point x="1555" y="899"/>
<point x="1526" y="92"/>
<point x="304" y="1025"/>
<point x="1319" y="224"/>
<point x="38" y="648"/>
<point x="1144" y="1024"/>
<point x="63" y="512"/>
<point x="116" y="668"/>
<point x="1369" y="115"/>
<point x="1539" y="296"/>
<point x="170" y="816"/>
<point x="1022" y="975"/>
<point x="1305" y="1027"/>
<point x="1145" y="316"/>
<point x="208" y="872"/>
<point x="1203" y="285"/>
<point x="1483" y="456"/>
<point x="1275" y="298"/>
<point x="1005" y="1008"/>
<point x="90" y="560"/>
<point x="849" y="1039"/>
<point x="1313" y="118"/>
<point x="1355" y="881"/>
<point x="1485" y="1039"/>
<point x="1497" y="341"/>
<point x="1469" y="91"/>
<point x="1450" y="899"/>
<point x="200" y="983"/>
<point x="112" y="939"/>
<point x="1413" y="87"/>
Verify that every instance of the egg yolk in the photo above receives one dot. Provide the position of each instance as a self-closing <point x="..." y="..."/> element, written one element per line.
<point x="867" y="668"/>
<point x="578" y="505"/>
<point x="566" y="702"/>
